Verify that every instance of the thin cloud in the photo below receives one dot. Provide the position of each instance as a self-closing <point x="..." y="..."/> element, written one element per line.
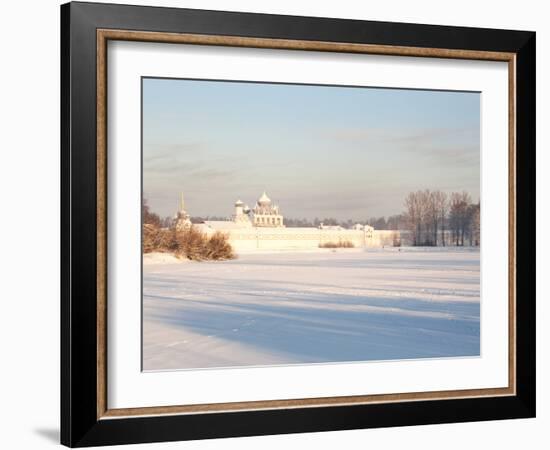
<point x="399" y="134"/>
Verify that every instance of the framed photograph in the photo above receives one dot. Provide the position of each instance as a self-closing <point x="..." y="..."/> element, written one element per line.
<point x="277" y="224"/>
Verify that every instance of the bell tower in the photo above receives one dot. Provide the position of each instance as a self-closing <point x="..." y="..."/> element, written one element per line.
<point x="182" y="220"/>
<point x="241" y="214"/>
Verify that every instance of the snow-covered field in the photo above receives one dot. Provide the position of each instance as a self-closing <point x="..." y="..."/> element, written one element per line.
<point x="311" y="307"/>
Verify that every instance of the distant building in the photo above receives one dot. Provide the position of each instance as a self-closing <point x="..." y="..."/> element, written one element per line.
<point x="181" y="220"/>
<point x="240" y="216"/>
<point x="266" y="214"/>
<point x="263" y="228"/>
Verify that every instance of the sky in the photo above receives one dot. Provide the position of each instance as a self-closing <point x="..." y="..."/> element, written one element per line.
<point x="318" y="151"/>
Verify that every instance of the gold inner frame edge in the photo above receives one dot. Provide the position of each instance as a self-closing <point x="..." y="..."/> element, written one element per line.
<point x="104" y="35"/>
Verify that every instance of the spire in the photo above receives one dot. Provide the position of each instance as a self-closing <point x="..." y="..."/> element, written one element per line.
<point x="182" y="203"/>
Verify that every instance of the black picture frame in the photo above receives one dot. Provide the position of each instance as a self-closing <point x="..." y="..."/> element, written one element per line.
<point x="80" y="425"/>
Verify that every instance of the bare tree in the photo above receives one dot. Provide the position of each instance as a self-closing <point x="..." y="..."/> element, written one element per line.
<point x="147" y="216"/>
<point x="474" y="224"/>
<point x="466" y="215"/>
<point x="454" y="217"/>
<point x="411" y="213"/>
<point x="428" y="214"/>
<point x="459" y="216"/>
<point x="441" y="207"/>
<point x="396" y="222"/>
<point x="415" y="212"/>
<point x="432" y="216"/>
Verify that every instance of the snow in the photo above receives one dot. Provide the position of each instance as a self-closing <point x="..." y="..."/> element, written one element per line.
<point x="161" y="258"/>
<point x="321" y="306"/>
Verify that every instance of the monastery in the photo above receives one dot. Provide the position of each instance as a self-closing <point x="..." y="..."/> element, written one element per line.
<point x="263" y="228"/>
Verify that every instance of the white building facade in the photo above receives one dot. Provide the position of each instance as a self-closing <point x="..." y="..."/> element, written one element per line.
<point x="263" y="228"/>
<point x="266" y="214"/>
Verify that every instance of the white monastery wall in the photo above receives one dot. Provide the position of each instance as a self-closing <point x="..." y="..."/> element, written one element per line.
<point x="266" y="230"/>
<point x="302" y="238"/>
<point x="386" y="238"/>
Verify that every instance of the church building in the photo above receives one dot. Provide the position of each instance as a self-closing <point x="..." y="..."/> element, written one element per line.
<point x="265" y="214"/>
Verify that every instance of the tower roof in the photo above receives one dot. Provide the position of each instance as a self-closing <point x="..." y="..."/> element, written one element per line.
<point x="239" y="203"/>
<point x="264" y="199"/>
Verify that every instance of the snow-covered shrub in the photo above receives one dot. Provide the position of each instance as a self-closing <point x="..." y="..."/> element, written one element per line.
<point x="339" y="244"/>
<point x="189" y="243"/>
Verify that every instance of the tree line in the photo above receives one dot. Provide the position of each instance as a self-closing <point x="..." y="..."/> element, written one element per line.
<point x="436" y="218"/>
<point x="395" y="222"/>
<point x="432" y="218"/>
<point x="380" y="223"/>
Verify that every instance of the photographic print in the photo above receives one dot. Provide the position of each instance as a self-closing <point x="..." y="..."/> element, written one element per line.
<point x="308" y="224"/>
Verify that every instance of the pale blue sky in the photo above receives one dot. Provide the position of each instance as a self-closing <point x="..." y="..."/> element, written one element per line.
<point x="318" y="151"/>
